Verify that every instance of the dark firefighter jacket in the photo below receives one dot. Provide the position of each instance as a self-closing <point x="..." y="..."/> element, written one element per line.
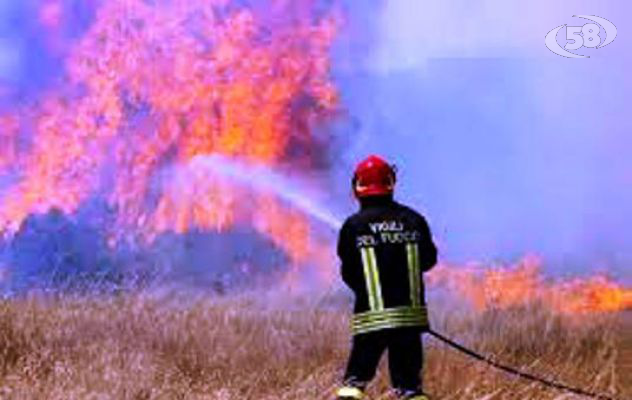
<point x="384" y="249"/>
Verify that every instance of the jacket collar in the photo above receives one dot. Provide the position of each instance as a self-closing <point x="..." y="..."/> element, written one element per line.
<point x="376" y="201"/>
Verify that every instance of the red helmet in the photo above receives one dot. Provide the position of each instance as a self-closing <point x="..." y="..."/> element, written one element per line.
<point x="373" y="177"/>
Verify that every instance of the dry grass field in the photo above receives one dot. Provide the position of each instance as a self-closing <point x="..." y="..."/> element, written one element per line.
<point x="257" y="347"/>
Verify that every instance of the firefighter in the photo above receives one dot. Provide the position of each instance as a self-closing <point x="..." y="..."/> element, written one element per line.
<point x="385" y="248"/>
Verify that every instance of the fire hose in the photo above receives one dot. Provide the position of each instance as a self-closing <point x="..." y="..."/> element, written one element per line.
<point x="525" y="375"/>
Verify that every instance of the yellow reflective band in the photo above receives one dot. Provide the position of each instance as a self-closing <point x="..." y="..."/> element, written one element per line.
<point x="389" y="318"/>
<point x="387" y="324"/>
<point x="350" y="392"/>
<point x="376" y="280"/>
<point x="394" y="311"/>
<point x="368" y="277"/>
<point x="371" y="275"/>
<point x="414" y="274"/>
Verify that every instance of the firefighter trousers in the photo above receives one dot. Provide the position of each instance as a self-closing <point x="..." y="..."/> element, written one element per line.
<point x="405" y="358"/>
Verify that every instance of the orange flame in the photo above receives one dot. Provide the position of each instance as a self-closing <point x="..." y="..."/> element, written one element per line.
<point x="161" y="84"/>
<point x="523" y="283"/>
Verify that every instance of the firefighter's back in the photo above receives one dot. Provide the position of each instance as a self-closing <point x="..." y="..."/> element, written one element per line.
<point x="385" y="248"/>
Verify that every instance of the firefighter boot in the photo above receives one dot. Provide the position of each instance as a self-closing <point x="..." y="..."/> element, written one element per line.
<point x="415" y="397"/>
<point x="349" y="393"/>
<point x="411" y="395"/>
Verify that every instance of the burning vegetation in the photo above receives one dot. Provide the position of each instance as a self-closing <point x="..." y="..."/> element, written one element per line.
<point x="502" y="287"/>
<point x="151" y="86"/>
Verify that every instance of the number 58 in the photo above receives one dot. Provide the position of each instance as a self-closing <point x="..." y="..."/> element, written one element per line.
<point x="587" y="35"/>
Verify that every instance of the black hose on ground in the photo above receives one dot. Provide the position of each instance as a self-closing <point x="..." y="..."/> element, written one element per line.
<point x="514" y="371"/>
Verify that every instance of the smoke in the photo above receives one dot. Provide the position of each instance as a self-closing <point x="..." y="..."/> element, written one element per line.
<point x="507" y="148"/>
<point x="54" y="251"/>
